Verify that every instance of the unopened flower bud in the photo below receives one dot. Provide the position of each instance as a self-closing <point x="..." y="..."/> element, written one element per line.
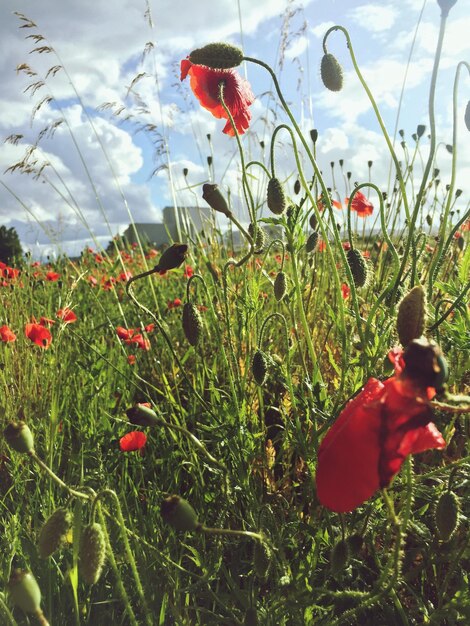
<point x="446" y="6"/>
<point x="259" y="367"/>
<point x="54" y="531"/>
<point x="297" y="186"/>
<point x="142" y="415"/>
<point x="411" y="318"/>
<point x="192" y="323"/>
<point x="358" y="266"/>
<point x="172" y="257"/>
<point x="280" y="286"/>
<point x="218" y="56"/>
<point x="214" y="198"/>
<point x="425" y="364"/>
<point x="314" y="135"/>
<point x="420" y="130"/>
<point x="24" y="591"/>
<point x="339" y="556"/>
<point x="178" y="513"/>
<point x="312" y="242"/>
<point x="19" y="437"/>
<point x="331" y="72"/>
<point x="260" y="240"/>
<point x="277" y="201"/>
<point x="92" y="553"/>
<point x="185" y="171"/>
<point x="447" y="514"/>
<point x="467" y="116"/>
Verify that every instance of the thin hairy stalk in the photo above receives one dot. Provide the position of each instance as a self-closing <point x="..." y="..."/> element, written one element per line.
<point x="55" y="478"/>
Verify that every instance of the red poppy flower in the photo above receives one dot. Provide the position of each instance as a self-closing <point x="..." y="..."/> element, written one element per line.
<point x="346" y="246"/>
<point x="361" y="204"/>
<point x="345" y="290"/>
<point x="92" y="280"/>
<point x="124" y="333"/>
<point x="66" y="315"/>
<point x="45" y="321"/>
<point x="135" y="440"/>
<point x="173" y="304"/>
<point x="371" y="438"/>
<point x="40" y="335"/>
<point x="238" y="96"/>
<point x="124" y="276"/>
<point x="140" y="340"/>
<point x="52" y="276"/>
<point x="321" y="204"/>
<point x="188" y="271"/>
<point x="6" y="334"/>
<point x="131" y="359"/>
<point x="149" y="328"/>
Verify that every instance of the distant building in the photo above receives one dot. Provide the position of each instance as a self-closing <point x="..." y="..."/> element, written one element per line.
<point x="188" y="220"/>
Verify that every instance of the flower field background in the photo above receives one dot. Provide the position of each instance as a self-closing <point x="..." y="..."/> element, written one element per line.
<point x="267" y="432"/>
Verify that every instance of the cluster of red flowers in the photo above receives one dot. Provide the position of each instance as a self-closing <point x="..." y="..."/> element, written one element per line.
<point x="134" y="335"/>
<point x="9" y="274"/>
<point x="38" y="332"/>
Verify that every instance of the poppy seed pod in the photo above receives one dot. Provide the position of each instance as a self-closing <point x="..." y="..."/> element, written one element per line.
<point x="277" y="201"/>
<point x="214" y="198"/>
<point x="331" y="72"/>
<point x="192" y="323"/>
<point x="53" y="532"/>
<point x="259" y="367"/>
<point x="142" y="415"/>
<point x="280" y="286"/>
<point x="178" y="513"/>
<point x="446" y="515"/>
<point x="262" y="558"/>
<point x="92" y="553"/>
<point x="24" y="591"/>
<point x="411" y="318"/>
<point x="172" y="257"/>
<point x="19" y="437"/>
<point x="218" y="56"/>
<point x="358" y="266"/>
<point x="467" y="116"/>
<point x="312" y="242"/>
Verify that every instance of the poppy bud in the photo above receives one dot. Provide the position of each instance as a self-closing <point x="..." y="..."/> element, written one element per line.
<point x="24" y="591"/>
<point x="339" y="556"/>
<point x="214" y="198"/>
<point x="446" y="515"/>
<point x="458" y="193"/>
<point x="277" y="201"/>
<point x="460" y="244"/>
<point x="467" y="116"/>
<point x="313" y="221"/>
<point x="262" y="557"/>
<point x="355" y="543"/>
<point x="259" y="367"/>
<point x="428" y="220"/>
<point x="53" y="532"/>
<point x="420" y="129"/>
<point x="446" y="6"/>
<point x="411" y="318"/>
<point x="218" y="56"/>
<point x="178" y="513"/>
<point x="297" y="186"/>
<point x="192" y="323"/>
<point x="92" y="553"/>
<point x="314" y="135"/>
<point x="142" y="415"/>
<point x="172" y="257"/>
<point x="280" y="286"/>
<point x="260" y="240"/>
<point x="331" y="72"/>
<point x="358" y="266"/>
<point x="19" y="437"/>
<point x="312" y="242"/>
<point x="185" y="171"/>
<point x="425" y="364"/>
<point x="251" y="617"/>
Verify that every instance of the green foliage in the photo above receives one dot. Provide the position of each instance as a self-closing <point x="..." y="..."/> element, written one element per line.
<point x="10" y="246"/>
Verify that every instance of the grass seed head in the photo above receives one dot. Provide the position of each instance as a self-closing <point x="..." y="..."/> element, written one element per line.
<point x="92" y="553"/>
<point x="192" y="323"/>
<point x="53" y="532"/>
<point x="331" y="72"/>
<point x="411" y="318"/>
<point x="218" y="56"/>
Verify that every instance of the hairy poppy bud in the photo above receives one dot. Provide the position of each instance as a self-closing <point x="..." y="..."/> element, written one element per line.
<point x="259" y="367"/>
<point x="297" y="186"/>
<point x="142" y="415"/>
<point x="447" y="515"/>
<point x="19" y="437"/>
<point x="192" y="323"/>
<point x="218" y="56"/>
<point x="280" y="286"/>
<point x="92" y="553"/>
<point x="312" y="242"/>
<point x="260" y="240"/>
<point x="411" y="318"/>
<point x="251" y="617"/>
<point x="53" y="532"/>
<point x="178" y="513"/>
<point x="277" y="201"/>
<point x="358" y="266"/>
<point x="24" y="591"/>
<point x="467" y="116"/>
<point x="331" y="72"/>
<point x="214" y="198"/>
<point x="429" y="220"/>
<point x="446" y="6"/>
<point x="313" y="221"/>
<point x="339" y="556"/>
<point x="425" y="364"/>
<point x="262" y="557"/>
<point x="172" y="257"/>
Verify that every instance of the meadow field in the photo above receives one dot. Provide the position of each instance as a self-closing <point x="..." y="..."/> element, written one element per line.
<point x="266" y="422"/>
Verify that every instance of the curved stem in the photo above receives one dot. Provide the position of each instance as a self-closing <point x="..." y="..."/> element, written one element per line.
<point x="55" y="478"/>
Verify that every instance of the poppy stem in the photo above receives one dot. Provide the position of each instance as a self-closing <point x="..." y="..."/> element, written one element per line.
<point x="233" y="533"/>
<point x="55" y="478"/>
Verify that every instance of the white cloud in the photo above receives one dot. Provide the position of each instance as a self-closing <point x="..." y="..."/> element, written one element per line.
<point x="374" y="17"/>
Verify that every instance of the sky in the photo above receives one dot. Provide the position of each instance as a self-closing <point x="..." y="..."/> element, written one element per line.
<point x="115" y="128"/>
